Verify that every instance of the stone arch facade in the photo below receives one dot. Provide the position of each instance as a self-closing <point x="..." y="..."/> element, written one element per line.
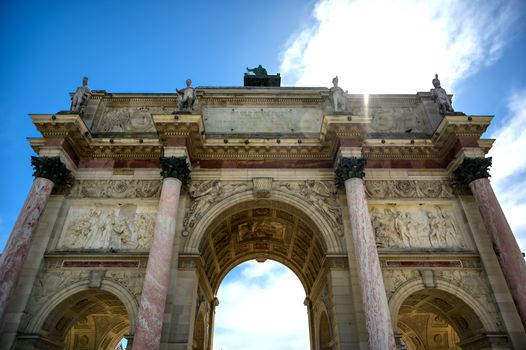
<point x="281" y="226"/>
<point x="115" y="289"/>
<point x="470" y="327"/>
<point x="80" y="317"/>
<point x="333" y="243"/>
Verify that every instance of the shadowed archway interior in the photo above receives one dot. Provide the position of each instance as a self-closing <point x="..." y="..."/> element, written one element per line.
<point x="91" y="319"/>
<point x="434" y="319"/>
<point x="262" y="230"/>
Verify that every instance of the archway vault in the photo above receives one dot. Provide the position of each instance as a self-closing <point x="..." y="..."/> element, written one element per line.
<point x="260" y="230"/>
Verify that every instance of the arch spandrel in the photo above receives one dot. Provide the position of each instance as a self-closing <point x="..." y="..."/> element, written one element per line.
<point x="330" y="231"/>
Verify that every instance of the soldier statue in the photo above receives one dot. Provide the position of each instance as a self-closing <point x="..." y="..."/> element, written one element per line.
<point x="338" y="97"/>
<point x="186" y="97"/>
<point x="81" y="96"/>
<point x="441" y="98"/>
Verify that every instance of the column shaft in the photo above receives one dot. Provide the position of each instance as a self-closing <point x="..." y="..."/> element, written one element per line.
<point x="376" y="308"/>
<point x="17" y="247"/>
<point x="506" y="248"/>
<point x="157" y="279"/>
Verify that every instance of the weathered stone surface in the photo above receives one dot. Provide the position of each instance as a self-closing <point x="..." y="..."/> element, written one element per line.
<point x="17" y="247"/>
<point x="504" y="243"/>
<point x="157" y="279"/>
<point x="376" y="309"/>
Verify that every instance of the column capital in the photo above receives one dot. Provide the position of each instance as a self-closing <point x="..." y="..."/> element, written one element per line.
<point x="473" y="169"/>
<point x="175" y="167"/>
<point x="350" y="167"/>
<point x="51" y="168"/>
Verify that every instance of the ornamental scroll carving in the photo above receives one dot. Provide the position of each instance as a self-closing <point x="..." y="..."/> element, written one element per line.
<point x="426" y="226"/>
<point x="203" y="195"/>
<point x="116" y="189"/>
<point x="323" y="196"/>
<point x="105" y="226"/>
<point x="408" y="189"/>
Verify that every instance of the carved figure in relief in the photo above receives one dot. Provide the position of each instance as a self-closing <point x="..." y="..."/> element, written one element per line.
<point x="441" y="98"/>
<point x="338" y="97"/>
<point x="80" y="97"/>
<point x="186" y="97"/>
<point x="99" y="228"/>
<point x="428" y="227"/>
<point x="402" y="223"/>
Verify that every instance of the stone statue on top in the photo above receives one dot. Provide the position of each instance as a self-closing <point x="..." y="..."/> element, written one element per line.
<point x="441" y="98"/>
<point x="80" y="98"/>
<point x="186" y="98"/>
<point x="338" y="97"/>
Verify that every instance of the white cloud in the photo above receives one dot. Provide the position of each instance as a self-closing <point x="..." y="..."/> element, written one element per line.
<point x="261" y="316"/>
<point x="396" y="46"/>
<point x="509" y="165"/>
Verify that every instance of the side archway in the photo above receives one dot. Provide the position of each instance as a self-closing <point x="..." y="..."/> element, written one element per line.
<point x="441" y="317"/>
<point x="79" y="317"/>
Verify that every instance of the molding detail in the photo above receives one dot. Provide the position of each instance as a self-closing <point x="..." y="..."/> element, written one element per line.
<point x="51" y="168"/>
<point x="175" y="167"/>
<point x="473" y="169"/>
<point x="380" y="189"/>
<point x="350" y="167"/>
<point x="116" y="189"/>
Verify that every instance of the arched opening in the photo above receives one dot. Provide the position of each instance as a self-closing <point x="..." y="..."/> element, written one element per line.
<point x="324" y="333"/>
<point x="435" y="319"/>
<point x="91" y="319"/>
<point x="262" y="230"/>
<point x="261" y="306"/>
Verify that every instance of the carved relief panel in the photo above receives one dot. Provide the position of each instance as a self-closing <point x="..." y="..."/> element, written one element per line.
<point x="416" y="226"/>
<point x="108" y="226"/>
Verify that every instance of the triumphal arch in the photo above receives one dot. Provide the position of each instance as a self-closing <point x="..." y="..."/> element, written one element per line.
<point x="380" y="204"/>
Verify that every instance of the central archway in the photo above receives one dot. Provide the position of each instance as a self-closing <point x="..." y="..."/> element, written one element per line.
<point x="261" y="229"/>
<point x="261" y="306"/>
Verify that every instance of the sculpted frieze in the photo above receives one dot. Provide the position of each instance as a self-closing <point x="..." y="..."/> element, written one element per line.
<point x="320" y="194"/>
<point x="116" y="189"/>
<point x="131" y="280"/>
<point x="425" y="226"/>
<point x="129" y="119"/>
<point x="103" y="226"/>
<point x="203" y="195"/>
<point x="408" y="189"/>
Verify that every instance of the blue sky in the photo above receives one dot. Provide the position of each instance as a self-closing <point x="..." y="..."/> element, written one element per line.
<point x="478" y="48"/>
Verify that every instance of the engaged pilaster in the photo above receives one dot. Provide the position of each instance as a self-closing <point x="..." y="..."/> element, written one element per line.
<point x="175" y="172"/>
<point x="474" y="172"/>
<point x="49" y="171"/>
<point x="350" y="171"/>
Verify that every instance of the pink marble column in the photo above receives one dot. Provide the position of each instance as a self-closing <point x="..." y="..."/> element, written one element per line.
<point x="374" y="298"/>
<point x="48" y="171"/>
<point x="157" y="280"/>
<point x="475" y="173"/>
<point x="504" y="243"/>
